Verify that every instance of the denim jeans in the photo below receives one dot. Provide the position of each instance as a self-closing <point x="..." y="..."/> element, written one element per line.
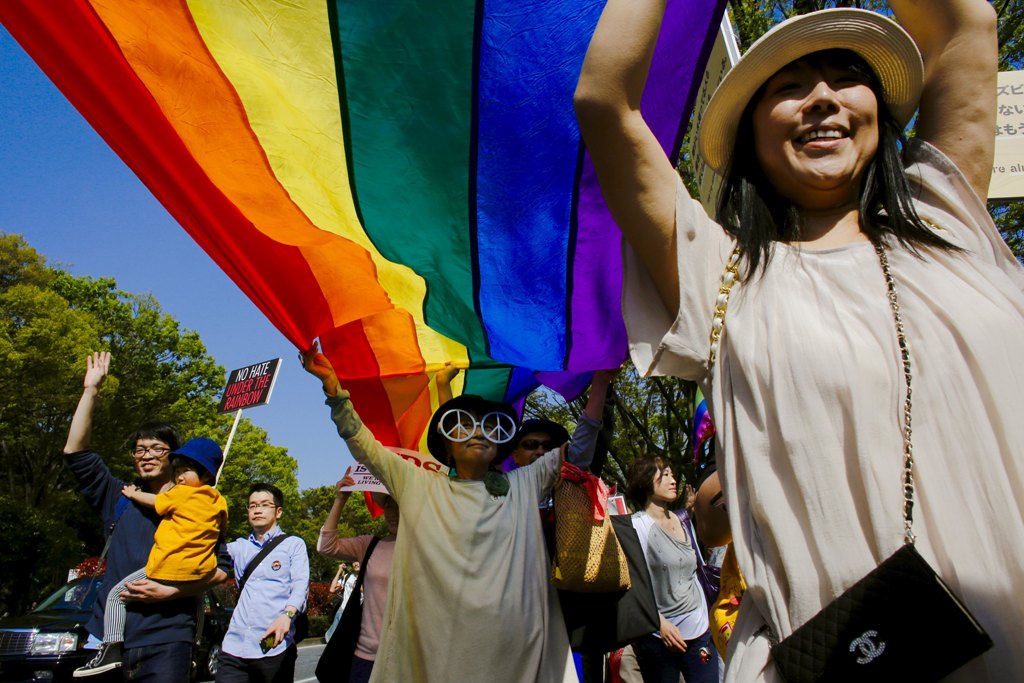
<point x="164" y="663"/>
<point x="658" y="664"/>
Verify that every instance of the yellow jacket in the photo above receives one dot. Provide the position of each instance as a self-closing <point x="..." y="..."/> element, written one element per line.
<point x="186" y="540"/>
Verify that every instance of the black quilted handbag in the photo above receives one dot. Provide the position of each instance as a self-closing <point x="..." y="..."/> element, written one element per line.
<point x="900" y="620"/>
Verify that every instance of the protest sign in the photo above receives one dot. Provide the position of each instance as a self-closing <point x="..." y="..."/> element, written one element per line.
<point x="723" y="55"/>
<point x="365" y="481"/>
<point x="617" y="505"/>
<point x="1008" y="166"/>
<point x="249" y="386"/>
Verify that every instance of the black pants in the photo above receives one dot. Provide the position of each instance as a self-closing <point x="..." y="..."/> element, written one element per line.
<point x="277" y="669"/>
<point x="164" y="663"/>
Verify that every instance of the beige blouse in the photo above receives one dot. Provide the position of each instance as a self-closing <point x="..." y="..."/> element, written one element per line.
<point x="807" y="396"/>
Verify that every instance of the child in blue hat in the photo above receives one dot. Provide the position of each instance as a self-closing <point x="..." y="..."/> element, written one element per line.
<point x="194" y="516"/>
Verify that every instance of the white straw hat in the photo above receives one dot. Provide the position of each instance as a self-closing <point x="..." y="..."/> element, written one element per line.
<point x="880" y="41"/>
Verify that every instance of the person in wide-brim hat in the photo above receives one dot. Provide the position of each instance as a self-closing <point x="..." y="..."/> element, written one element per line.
<point x="441" y="447"/>
<point x="886" y="48"/>
<point x="844" y="269"/>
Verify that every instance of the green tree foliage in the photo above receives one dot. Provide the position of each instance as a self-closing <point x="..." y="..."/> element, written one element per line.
<point x="38" y="549"/>
<point x="49" y="321"/>
<point x="307" y="518"/>
<point x="1011" y="34"/>
<point x="642" y="417"/>
<point x="1009" y="217"/>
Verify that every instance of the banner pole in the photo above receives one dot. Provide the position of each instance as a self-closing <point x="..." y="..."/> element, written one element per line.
<point x="227" y="446"/>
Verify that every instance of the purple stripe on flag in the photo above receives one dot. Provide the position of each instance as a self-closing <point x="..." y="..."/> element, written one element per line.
<point x="598" y="334"/>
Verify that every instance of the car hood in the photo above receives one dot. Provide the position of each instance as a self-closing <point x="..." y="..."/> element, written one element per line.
<point x="47" y="621"/>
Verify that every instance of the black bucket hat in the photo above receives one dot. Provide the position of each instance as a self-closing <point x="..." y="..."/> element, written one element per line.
<point x="472" y="404"/>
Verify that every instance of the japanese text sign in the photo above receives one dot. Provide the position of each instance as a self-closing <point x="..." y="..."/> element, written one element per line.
<point x="1008" y="167"/>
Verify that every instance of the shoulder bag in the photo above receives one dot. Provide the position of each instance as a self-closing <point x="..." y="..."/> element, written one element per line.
<point x="604" y="622"/>
<point x="709" y="576"/>
<point x="335" y="662"/>
<point x="588" y="557"/>
<point x="893" y="620"/>
<point x="302" y="618"/>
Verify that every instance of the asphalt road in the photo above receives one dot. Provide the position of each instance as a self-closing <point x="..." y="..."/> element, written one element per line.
<point x="309" y="655"/>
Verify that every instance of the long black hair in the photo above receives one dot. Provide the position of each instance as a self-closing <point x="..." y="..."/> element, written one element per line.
<point x="758" y="216"/>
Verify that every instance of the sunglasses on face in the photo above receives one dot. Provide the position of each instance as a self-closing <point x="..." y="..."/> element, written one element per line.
<point x="534" y="444"/>
<point x="459" y="426"/>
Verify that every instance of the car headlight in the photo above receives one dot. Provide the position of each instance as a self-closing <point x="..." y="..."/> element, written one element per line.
<point x="53" y="643"/>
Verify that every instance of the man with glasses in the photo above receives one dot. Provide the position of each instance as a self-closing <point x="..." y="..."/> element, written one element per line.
<point x="272" y="569"/>
<point x="160" y="624"/>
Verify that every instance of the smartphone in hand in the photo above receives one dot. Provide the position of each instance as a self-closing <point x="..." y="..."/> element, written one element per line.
<point x="267" y="644"/>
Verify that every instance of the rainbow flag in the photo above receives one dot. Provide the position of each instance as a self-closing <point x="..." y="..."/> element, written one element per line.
<point x="403" y="180"/>
<point x="703" y="428"/>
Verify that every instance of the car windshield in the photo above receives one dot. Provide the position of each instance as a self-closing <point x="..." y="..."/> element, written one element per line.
<point x="77" y="596"/>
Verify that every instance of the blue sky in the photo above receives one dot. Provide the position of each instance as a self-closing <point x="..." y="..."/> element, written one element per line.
<point x="77" y="203"/>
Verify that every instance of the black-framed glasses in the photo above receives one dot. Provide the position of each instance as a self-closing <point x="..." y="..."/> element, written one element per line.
<point x="534" y="444"/>
<point x="139" y="452"/>
<point x="459" y="426"/>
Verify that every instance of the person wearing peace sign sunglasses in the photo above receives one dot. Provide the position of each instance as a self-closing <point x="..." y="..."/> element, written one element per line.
<point x="469" y="597"/>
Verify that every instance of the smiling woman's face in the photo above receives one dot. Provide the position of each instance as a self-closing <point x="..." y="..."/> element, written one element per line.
<point x="815" y="131"/>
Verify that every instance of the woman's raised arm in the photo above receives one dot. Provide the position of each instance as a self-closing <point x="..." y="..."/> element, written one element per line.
<point x="957" y="39"/>
<point x="636" y="177"/>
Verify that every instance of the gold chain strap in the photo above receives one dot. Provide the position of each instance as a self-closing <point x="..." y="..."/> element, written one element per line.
<point x="730" y="276"/>
<point x="908" y="447"/>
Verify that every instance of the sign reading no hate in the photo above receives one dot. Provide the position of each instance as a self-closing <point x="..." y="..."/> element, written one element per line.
<point x="249" y="386"/>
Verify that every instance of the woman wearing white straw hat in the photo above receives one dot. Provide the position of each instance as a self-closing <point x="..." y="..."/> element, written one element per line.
<point x="835" y="246"/>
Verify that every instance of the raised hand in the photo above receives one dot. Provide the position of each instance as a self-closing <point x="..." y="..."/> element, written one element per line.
<point x="347" y="480"/>
<point x="448" y="372"/>
<point x="316" y="364"/>
<point x="443" y="379"/>
<point x="689" y="498"/>
<point x="340" y="499"/>
<point x="97" y="367"/>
